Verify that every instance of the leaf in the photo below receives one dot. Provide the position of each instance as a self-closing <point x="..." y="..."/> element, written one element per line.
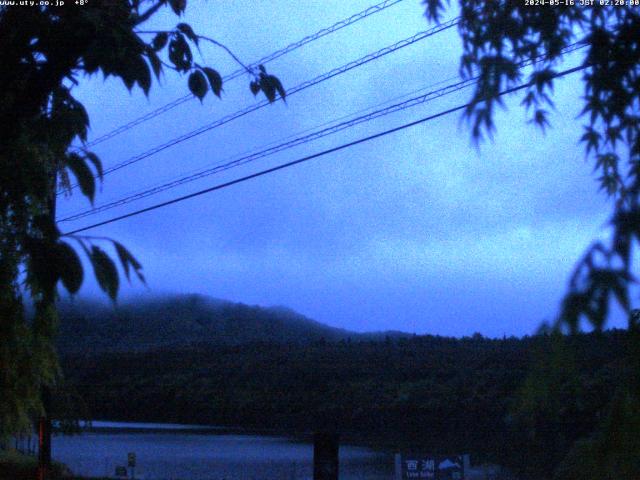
<point x="178" y="6"/>
<point x="540" y="119"/>
<point x="93" y="158"/>
<point x="80" y="117"/>
<point x="69" y="267"/>
<point x="123" y="255"/>
<point x="543" y="79"/>
<point x="529" y="100"/>
<point x="140" y="69"/>
<point x="83" y="174"/>
<point x="188" y="31"/>
<point x="573" y="305"/>
<point x="255" y="87"/>
<point x="267" y="87"/>
<point x="154" y="60"/>
<point x="198" y="84"/>
<point x="174" y="53"/>
<point x="105" y="272"/>
<point x="621" y="293"/>
<point x="279" y="87"/>
<point x="622" y="246"/>
<point x="127" y="259"/>
<point x="271" y="85"/>
<point x="180" y="53"/>
<point x="160" y="41"/>
<point x="92" y="58"/>
<point x="41" y="259"/>
<point x="592" y="138"/>
<point x="68" y="114"/>
<point x="215" y="80"/>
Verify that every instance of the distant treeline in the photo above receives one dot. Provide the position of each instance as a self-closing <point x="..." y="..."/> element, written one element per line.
<point x="520" y="402"/>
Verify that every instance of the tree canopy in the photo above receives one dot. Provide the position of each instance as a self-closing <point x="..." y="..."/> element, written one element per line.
<point x="497" y="37"/>
<point x="45" y="51"/>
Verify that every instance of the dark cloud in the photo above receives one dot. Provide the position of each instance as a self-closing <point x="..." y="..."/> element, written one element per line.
<point x="418" y="231"/>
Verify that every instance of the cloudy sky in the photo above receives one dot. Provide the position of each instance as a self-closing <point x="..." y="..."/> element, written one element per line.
<point x="419" y="231"/>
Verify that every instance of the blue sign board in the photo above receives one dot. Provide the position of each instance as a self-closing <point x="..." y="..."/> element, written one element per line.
<point x="429" y="467"/>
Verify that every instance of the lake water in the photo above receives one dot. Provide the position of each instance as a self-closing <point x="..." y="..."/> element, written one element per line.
<point x="178" y="452"/>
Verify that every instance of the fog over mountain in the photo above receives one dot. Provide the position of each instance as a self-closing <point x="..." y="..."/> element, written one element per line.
<point x="181" y="320"/>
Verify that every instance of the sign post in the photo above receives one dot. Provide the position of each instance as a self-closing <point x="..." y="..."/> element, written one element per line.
<point x="429" y="467"/>
<point x="131" y="461"/>
<point x="325" y="456"/>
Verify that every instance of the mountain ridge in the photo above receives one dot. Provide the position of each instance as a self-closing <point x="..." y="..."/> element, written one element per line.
<point x="149" y="323"/>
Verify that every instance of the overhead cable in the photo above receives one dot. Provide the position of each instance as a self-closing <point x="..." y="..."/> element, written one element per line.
<point x="313" y="156"/>
<point x="300" y="87"/>
<point x="412" y="102"/>
<point x="268" y="58"/>
<point x="299" y="140"/>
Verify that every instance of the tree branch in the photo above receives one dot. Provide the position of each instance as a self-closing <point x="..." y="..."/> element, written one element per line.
<point x="88" y="237"/>
<point x="149" y="13"/>
<point x="167" y="65"/>
<point x="225" y="48"/>
<point x="215" y="42"/>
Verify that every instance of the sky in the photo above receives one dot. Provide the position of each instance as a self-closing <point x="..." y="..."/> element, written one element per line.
<point x="420" y="231"/>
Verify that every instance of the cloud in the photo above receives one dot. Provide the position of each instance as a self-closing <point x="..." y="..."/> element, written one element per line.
<point x="417" y="231"/>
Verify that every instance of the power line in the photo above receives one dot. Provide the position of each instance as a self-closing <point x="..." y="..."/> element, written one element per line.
<point x="303" y="86"/>
<point x="268" y="58"/>
<point x="315" y="155"/>
<point x="262" y="148"/>
<point x="412" y="102"/>
<point x="299" y="140"/>
<point x="298" y="88"/>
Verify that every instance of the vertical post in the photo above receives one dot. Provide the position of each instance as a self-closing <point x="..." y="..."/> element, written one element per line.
<point x="44" y="437"/>
<point x="131" y="463"/>
<point x="325" y="456"/>
<point x="398" y="466"/>
<point x="44" y="422"/>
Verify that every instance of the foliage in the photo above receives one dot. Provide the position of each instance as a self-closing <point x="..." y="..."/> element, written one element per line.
<point x="424" y="392"/>
<point x="439" y="394"/>
<point x="17" y="466"/>
<point x="45" y="51"/>
<point x="561" y="400"/>
<point x="497" y="37"/>
<point x="613" y="451"/>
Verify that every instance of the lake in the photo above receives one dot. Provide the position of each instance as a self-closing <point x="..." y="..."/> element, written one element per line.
<point x="180" y="452"/>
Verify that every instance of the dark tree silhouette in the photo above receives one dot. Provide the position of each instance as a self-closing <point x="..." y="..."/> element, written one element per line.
<point x="497" y="37"/>
<point x="44" y="52"/>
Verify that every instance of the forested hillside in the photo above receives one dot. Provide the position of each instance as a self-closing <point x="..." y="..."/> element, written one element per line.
<point x="521" y="402"/>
